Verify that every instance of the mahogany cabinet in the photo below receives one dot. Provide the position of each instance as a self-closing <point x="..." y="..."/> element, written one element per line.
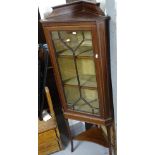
<point x="77" y="35"/>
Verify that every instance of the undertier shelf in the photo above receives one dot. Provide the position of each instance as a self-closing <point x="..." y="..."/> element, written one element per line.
<point x="93" y="135"/>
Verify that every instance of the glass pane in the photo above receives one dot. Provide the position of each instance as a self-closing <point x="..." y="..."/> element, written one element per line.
<point x="87" y="103"/>
<point x="74" y="53"/>
<point x="67" y="70"/>
<point x="69" y="42"/>
<point x="86" y="71"/>
<point x="91" y="97"/>
<point x="72" y="95"/>
<point x="72" y="39"/>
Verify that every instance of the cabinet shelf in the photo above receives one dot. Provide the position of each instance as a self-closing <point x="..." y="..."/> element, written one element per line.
<point x="86" y="81"/>
<point x="81" y="106"/>
<point x="82" y="52"/>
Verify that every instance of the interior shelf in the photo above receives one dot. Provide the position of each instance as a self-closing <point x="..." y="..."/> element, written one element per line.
<point x="88" y="81"/>
<point x="81" y="106"/>
<point x="82" y="52"/>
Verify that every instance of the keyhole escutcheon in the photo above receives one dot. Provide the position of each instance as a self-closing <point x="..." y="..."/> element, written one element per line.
<point x="96" y="56"/>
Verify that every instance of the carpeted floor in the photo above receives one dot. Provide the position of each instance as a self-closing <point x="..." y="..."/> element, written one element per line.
<point x="84" y="148"/>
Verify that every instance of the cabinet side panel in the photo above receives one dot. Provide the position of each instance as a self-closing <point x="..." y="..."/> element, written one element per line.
<point x="98" y="71"/>
<point x="103" y="40"/>
<point x="107" y="35"/>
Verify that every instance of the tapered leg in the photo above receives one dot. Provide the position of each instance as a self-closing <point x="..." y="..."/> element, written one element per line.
<point x="109" y="139"/>
<point x="70" y="135"/>
<point x="114" y="139"/>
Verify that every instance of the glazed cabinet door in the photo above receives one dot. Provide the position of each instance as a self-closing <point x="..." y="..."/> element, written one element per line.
<point x="75" y="63"/>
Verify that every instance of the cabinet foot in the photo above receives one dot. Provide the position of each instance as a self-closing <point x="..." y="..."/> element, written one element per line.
<point x="109" y="139"/>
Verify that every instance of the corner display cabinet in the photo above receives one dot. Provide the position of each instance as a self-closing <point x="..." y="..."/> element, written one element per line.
<point x="78" y="41"/>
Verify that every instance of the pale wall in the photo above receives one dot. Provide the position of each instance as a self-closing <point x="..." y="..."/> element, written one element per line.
<point x="45" y="6"/>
